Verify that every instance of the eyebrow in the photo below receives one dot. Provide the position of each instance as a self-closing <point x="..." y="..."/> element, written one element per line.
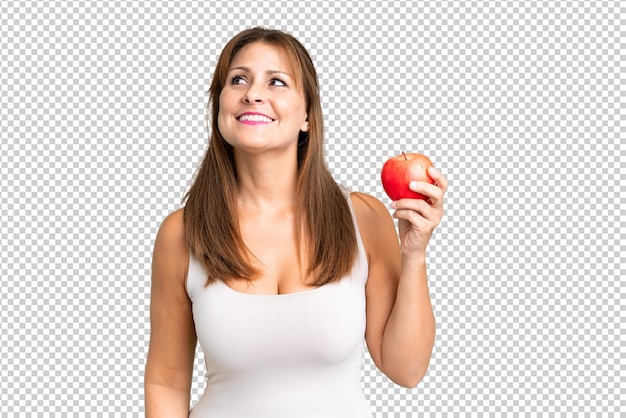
<point x="269" y="72"/>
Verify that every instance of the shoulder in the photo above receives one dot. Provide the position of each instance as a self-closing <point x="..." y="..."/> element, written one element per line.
<point x="368" y="210"/>
<point x="170" y="249"/>
<point x="373" y="218"/>
<point x="172" y="229"/>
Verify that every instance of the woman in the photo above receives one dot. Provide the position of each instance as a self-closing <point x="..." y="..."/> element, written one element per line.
<point x="278" y="272"/>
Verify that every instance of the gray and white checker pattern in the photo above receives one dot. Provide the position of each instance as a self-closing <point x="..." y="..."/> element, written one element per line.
<point x="519" y="103"/>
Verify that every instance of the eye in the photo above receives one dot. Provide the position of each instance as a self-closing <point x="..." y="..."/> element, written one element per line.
<point x="278" y="82"/>
<point x="236" y="80"/>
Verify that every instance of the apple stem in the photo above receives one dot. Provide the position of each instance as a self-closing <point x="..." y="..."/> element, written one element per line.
<point x="404" y="153"/>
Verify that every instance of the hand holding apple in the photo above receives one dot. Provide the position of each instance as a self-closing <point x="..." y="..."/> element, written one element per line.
<point x="418" y="208"/>
<point x="398" y="171"/>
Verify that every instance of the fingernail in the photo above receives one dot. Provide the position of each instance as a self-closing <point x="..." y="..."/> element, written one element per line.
<point x="413" y="185"/>
<point x="393" y="204"/>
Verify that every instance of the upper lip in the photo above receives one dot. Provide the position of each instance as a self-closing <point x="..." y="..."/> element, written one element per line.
<point x="253" y="113"/>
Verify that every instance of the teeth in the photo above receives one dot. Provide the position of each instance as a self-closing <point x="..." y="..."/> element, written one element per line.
<point x="255" y="118"/>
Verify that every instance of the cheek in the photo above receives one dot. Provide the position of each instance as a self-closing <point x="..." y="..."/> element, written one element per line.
<point x="226" y="99"/>
<point x="222" y="112"/>
<point x="296" y="107"/>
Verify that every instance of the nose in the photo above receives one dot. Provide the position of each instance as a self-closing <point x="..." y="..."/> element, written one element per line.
<point x="254" y="94"/>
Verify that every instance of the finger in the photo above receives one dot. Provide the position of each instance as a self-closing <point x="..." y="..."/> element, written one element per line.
<point x="416" y="220"/>
<point x="439" y="179"/>
<point x="431" y="191"/>
<point x="433" y="213"/>
<point x="409" y="208"/>
<point x="417" y="205"/>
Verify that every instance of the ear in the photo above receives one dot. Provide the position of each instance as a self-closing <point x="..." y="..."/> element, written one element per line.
<point x="305" y="125"/>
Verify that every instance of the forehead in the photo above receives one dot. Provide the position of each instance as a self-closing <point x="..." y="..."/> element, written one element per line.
<point x="262" y="54"/>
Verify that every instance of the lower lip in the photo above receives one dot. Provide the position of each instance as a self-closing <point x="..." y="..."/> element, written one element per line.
<point x="253" y="122"/>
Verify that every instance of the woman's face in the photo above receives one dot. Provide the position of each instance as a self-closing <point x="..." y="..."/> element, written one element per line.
<point x="260" y="107"/>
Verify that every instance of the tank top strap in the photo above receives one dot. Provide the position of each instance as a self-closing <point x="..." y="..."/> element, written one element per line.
<point x="361" y="265"/>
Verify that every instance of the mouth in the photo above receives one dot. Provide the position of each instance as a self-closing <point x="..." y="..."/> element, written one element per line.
<point x="255" y="118"/>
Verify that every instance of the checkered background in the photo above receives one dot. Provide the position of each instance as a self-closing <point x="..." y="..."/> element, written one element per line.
<point x="519" y="103"/>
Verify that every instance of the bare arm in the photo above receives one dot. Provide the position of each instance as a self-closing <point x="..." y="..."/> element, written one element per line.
<point x="169" y="366"/>
<point x="400" y="329"/>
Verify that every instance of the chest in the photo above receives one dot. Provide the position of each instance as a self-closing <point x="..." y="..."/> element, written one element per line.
<point x="319" y="327"/>
<point x="277" y="252"/>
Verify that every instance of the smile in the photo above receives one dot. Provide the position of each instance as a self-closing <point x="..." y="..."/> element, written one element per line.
<point x="248" y="117"/>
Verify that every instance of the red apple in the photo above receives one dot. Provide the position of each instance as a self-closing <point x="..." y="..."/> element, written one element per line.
<point x="400" y="170"/>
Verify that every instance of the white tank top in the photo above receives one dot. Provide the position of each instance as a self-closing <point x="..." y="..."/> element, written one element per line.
<point x="296" y="355"/>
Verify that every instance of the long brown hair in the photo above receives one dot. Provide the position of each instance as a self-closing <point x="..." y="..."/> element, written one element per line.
<point x="324" y="220"/>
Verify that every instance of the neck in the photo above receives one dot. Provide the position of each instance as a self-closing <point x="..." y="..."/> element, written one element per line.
<point x="266" y="182"/>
